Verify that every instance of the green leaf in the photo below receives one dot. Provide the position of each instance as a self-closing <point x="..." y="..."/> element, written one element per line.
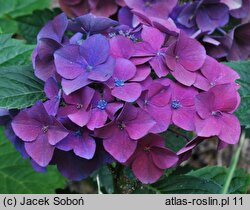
<point x="14" y="51"/>
<point x="184" y="184"/>
<point x="243" y="112"/>
<point x="17" y="176"/>
<point x="15" y="8"/>
<point x="19" y="88"/>
<point x="240" y="182"/>
<point x="176" y="138"/>
<point x="30" y="25"/>
<point x="8" y="25"/>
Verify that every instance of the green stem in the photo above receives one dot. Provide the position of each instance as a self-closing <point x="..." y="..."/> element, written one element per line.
<point x="98" y="184"/>
<point x="233" y="165"/>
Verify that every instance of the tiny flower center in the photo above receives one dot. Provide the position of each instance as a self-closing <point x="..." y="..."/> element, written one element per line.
<point x="175" y="104"/>
<point x="147" y="149"/>
<point x="121" y="125"/>
<point x="177" y="57"/>
<point x="216" y="113"/>
<point x="45" y="129"/>
<point x="79" y="106"/>
<point x="89" y="68"/>
<point x="119" y="82"/>
<point x="212" y="84"/>
<point x="148" y="3"/>
<point x="79" y="42"/>
<point x="160" y="54"/>
<point x="78" y="133"/>
<point x="102" y="104"/>
<point x="146" y="102"/>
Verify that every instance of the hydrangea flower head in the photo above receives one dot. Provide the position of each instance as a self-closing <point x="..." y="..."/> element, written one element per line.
<point x="39" y="130"/>
<point x="114" y="87"/>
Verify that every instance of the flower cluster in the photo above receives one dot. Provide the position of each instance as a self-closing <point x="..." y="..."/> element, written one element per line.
<point x="112" y="89"/>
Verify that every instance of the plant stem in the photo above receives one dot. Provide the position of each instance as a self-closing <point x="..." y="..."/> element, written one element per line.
<point x="233" y="165"/>
<point x="98" y="184"/>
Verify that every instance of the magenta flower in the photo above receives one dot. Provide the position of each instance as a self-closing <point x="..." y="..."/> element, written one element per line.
<point x="120" y="84"/>
<point x="40" y="132"/>
<point x="155" y="8"/>
<point x="103" y="107"/>
<point x="120" y="136"/>
<point x="81" y="65"/>
<point x="154" y="100"/>
<point x="214" y="73"/>
<point x="79" y="140"/>
<point x="78" y="108"/>
<point x="49" y="39"/>
<point x="151" y="158"/>
<point x="215" y="117"/>
<point x="182" y="105"/>
<point x="184" y="58"/>
<point x="151" y="50"/>
<point x="54" y="95"/>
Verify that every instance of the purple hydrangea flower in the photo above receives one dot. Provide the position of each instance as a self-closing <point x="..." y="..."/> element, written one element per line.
<point x="76" y="168"/>
<point x="89" y="24"/>
<point x="120" y="84"/>
<point x="79" y="140"/>
<point x="54" y="94"/>
<point x="203" y="15"/>
<point x="215" y="118"/>
<point x="49" y="39"/>
<point x="104" y="107"/>
<point x="154" y="100"/>
<point x="214" y="73"/>
<point x="155" y="8"/>
<point x="78" y="106"/>
<point x="40" y="132"/>
<point x="184" y="58"/>
<point x="211" y="14"/>
<point x="182" y="106"/>
<point x="120" y="136"/>
<point x="80" y="65"/>
<point x="151" y="158"/>
<point x="151" y="50"/>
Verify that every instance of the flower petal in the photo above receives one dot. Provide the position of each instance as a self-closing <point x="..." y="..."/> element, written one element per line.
<point x="40" y="150"/>
<point x="230" y="129"/>
<point x="95" y="50"/>
<point x="163" y="157"/>
<point x="140" y="126"/>
<point x="120" y="146"/>
<point x="145" y="170"/>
